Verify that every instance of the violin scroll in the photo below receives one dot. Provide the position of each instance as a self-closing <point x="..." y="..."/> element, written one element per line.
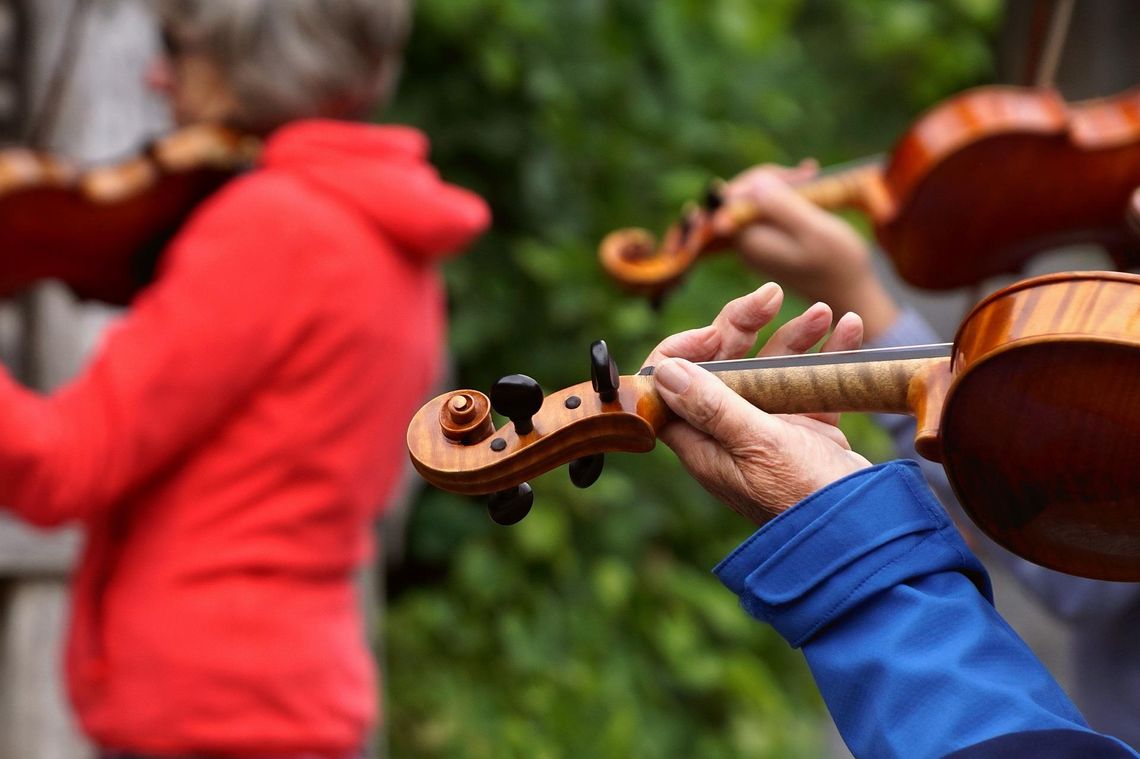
<point x="466" y="417"/>
<point x="631" y="256"/>
<point x="454" y="444"/>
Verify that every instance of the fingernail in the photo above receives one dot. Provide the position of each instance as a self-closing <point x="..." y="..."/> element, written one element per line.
<point x="821" y="310"/>
<point x="672" y="376"/>
<point x="767" y="293"/>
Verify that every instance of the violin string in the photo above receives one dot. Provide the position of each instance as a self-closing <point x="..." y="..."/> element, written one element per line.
<point x="1054" y="43"/>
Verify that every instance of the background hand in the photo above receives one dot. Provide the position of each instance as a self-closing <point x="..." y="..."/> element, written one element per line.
<point x="757" y="463"/>
<point x="814" y="252"/>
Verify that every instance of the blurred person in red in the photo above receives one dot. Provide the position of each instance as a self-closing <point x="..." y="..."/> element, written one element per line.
<point x="231" y="442"/>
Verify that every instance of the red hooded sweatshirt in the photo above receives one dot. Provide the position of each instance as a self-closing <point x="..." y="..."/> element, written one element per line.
<point x="233" y="439"/>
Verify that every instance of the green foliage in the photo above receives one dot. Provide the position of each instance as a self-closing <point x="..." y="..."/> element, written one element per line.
<point x="594" y="627"/>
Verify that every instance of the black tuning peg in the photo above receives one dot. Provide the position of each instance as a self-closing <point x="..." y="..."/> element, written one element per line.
<point x="585" y="471"/>
<point x="603" y="371"/>
<point x="509" y="506"/>
<point x="689" y="214"/>
<point x="714" y="195"/>
<point x="518" y="397"/>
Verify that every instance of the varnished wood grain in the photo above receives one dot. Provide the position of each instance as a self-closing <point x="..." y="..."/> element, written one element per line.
<point x="878" y="386"/>
<point x="991" y="177"/>
<point x="560" y="435"/>
<point x="97" y="229"/>
<point x="1041" y="427"/>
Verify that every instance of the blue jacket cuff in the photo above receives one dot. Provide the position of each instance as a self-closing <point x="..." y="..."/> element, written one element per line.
<point x="842" y="545"/>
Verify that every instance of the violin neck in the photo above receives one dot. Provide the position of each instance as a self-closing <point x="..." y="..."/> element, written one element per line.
<point x="888" y="381"/>
<point x="857" y="185"/>
<point x="845" y="187"/>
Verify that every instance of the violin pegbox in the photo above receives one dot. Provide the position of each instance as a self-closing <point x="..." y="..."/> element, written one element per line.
<point x="454" y="444"/>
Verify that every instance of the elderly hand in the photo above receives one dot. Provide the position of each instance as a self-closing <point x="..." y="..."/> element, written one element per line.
<point x="759" y="464"/>
<point x="810" y="250"/>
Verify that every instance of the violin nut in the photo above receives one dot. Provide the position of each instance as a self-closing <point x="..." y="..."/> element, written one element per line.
<point x="465" y="417"/>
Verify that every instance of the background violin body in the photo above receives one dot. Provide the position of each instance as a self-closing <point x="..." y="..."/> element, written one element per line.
<point x="1035" y="414"/>
<point x="976" y="187"/>
<point x="996" y="175"/>
<point x="100" y="230"/>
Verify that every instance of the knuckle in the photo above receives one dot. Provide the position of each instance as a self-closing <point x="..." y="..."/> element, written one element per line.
<point x="707" y="407"/>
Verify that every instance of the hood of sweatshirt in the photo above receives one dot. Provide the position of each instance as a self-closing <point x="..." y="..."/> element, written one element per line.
<point x="383" y="172"/>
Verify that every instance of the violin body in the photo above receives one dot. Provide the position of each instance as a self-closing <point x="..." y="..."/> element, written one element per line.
<point x="100" y="231"/>
<point x="986" y="180"/>
<point x="1040" y="428"/>
<point x="1035" y="415"/>
<point x="976" y="187"/>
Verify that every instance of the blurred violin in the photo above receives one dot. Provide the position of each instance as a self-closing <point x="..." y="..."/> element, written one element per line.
<point x="1034" y="411"/>
<point x="978" y="185"/>
<point x="100" y="230"/>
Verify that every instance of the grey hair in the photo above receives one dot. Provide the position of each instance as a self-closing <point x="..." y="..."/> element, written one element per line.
<point x="290" y="59"/>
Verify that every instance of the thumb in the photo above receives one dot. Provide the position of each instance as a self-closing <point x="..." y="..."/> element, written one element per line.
<point x="710" y="406"/>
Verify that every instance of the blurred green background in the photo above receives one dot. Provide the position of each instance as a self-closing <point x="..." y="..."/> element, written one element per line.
<point x="594" y="628"/>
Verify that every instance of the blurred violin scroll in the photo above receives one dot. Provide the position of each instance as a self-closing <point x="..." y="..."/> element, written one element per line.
<point x="100" y="230"/>
<point x="976" y="186"/>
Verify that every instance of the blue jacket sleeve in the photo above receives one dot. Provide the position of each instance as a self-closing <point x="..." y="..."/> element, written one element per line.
<point x="895" y="617"/>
